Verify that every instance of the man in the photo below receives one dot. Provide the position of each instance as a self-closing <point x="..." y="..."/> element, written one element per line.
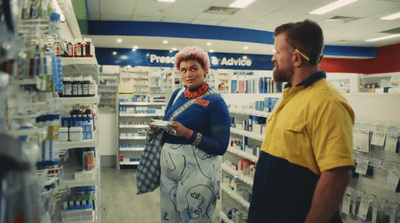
<point x="303" y="169"/>
<point x="221" y="87"/>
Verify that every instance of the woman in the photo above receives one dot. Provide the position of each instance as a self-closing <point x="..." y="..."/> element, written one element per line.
<point x="191" y="158"/>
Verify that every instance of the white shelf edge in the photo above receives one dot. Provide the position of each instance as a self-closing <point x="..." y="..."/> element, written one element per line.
<point x="133" y="138"/>
<point x="129" y="163"/>
<point x="66" y="61"/>
<point x="78" y="144"/>
<point x="142" y="103"/>
<point x="140" y="149"/>
<point x="246" y="179"/>
<point x="140" y="115"/>
<point x="243" y="154"/>
<point x="133" y="126"/>
<point x="79" y="100"/>
<point x="247" y="134"/>
<point x="250" y="112"/>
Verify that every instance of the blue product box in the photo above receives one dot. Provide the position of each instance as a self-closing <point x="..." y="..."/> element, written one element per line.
<point x="266" y="80"/>
<point x="234" y="86"/>
<point x="261" y="85"/>
<point x="272" y="103"/>
<point x="267" y="102"/>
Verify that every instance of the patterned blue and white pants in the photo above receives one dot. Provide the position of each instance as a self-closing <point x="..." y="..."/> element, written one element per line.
<point x="190" y="183"/>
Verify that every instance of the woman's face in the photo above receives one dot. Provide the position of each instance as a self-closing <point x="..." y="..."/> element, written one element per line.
<point x="192" y="73"/>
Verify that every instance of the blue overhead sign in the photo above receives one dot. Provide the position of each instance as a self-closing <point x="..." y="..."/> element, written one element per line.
<point x="165" y="58"/>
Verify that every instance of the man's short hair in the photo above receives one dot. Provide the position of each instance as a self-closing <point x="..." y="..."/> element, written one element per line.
<point x="305" y="36"/>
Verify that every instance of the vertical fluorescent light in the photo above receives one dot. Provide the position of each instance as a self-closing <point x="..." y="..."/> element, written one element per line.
<point x="332" y="6"/>
<point x="391" y="17"/>
<point x="241" y="3"/>
<point x="383" y="38"/>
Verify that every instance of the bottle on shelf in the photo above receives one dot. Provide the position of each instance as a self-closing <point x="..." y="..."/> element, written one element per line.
<point x="90" y="112"/>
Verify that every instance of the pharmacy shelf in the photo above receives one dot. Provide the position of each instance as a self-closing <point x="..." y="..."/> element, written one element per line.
<point x="79" y="100"/>
<point x="134" y="163"/>
<point x="132" y="137"/>
<point x="80" y="65"/>
<point x="142" y="103"/>
<point x="68" y="179"/>
<point x="250" y="112"/>
<point x="141" y="115"/>
<point x="78" y="144"/>
<point x="133" y="126"/>
<point x="235" y="196"/>
<point x="244" y="178"/>
<point x="247" y="134"/>
<point x="138" y="149"/>
<point x="243" y="154"/>
<point x="42" y="131"/>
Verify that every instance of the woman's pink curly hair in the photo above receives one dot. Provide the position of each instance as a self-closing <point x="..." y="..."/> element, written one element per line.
<point x="193" y="52"/>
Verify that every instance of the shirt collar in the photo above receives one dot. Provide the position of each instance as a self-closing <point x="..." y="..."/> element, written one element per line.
<point x="310" y="80"/>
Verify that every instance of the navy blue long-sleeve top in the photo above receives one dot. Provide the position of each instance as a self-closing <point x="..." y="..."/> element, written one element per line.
<point x="209" y="116"/>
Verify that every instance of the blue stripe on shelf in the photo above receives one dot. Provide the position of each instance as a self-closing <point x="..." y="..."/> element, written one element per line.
<point x="179" y="30"/>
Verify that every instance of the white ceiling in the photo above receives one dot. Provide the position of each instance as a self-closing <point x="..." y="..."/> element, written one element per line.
<point x="262" y="15"/>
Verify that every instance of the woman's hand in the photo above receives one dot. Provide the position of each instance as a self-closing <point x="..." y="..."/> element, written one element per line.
<point x="153" y="128"/>
<point x="181" y="130"/>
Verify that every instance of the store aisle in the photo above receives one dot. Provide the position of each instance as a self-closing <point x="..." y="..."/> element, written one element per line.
<point x="119" y="202"/>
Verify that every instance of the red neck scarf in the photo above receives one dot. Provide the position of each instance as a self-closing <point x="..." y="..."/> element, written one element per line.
<point x="195" y="94"/>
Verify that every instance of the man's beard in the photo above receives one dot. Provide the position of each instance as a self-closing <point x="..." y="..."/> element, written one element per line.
<point x="282" y="75"/>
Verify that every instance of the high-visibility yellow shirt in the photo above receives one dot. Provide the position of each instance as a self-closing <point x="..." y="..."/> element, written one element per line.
<point x="311" y="126"/>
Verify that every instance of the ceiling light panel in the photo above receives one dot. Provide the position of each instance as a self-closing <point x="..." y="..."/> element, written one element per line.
<point x="383" y="38"/>
<point x="391" y="17"/>
<point x="332" y="6"/>
<point x="241" y="3"/>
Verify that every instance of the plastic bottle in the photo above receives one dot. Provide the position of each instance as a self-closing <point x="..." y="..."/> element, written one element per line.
<point x="90" y="111"/>
<point x="67" y="87"/>
<point x="88" y="47"/>
<point x="75" y="114"/>
<point x="77" y="86"/>
<point x="78" y="48"/>
<point x="88" y="87"/>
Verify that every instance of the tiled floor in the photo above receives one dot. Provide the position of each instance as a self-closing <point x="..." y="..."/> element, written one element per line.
<point x="119" y="202"/>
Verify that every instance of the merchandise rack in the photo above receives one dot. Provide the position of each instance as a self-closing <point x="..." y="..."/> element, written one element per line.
<point x="371" y="108"/>
<point x="130" y="155"/>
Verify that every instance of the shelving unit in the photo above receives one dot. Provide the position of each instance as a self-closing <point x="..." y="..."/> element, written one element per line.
<point x="244" y="147"/>
<point x="75" y="66"/>
<point x="108" y="91"/>
<point x="132" y="129"/>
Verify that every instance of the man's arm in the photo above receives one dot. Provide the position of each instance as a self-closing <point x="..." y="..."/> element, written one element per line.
<point x="328" y="194"/>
